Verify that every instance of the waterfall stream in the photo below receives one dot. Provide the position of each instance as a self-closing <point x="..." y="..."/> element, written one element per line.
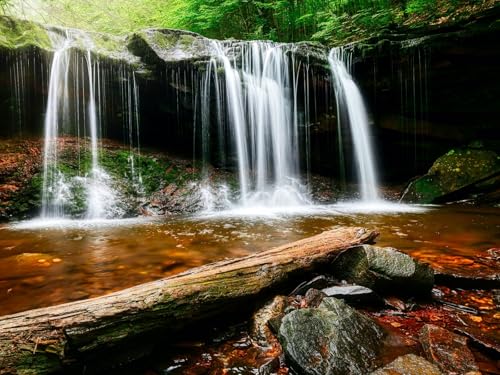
<point x="260" y="111"/>
<point x="349" y="99"/>
<point x="73" y="109"/>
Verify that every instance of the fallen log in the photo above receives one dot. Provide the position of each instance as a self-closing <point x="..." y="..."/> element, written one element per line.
<point x="50" y="339"/>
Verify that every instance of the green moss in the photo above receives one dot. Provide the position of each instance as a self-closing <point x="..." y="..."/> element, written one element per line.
<point x="27" y="201"/>
<point x="161" y="40"/>
<point x="108" y="45"/>
<point x="21" y="34"/>
<point x="39" y="363"/>
<point x="453" y="171"/>
<point x="186" y="40"/>
<point x="427" y="189"/>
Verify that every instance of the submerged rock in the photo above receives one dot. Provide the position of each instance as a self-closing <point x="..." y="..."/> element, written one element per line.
<point x="331" y="339"/>
<point x="490" y="340"/>
<point x="409" y="364"/>
<point x="447" y="350"/>
<point x="385" y="270"/>
<point x="456" y="175"/>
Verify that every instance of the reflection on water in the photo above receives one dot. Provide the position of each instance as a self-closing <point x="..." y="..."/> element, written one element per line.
<point x="45" y="266"/>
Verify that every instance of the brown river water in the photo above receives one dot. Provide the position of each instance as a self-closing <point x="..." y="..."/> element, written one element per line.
<point x="43" y="266"/>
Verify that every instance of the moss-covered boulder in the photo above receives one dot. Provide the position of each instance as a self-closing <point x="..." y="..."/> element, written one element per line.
<point x="158" y="46"/>
<point x="385" y="270"/>
<point x="333" y="339"/>
<point x="16" y="33"/>
<point x="453" y="173"/>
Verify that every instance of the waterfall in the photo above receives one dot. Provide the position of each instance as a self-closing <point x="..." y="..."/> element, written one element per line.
<point x="55" y="192"/>
<point x="101" y="196"/>
<point x="260" y="109"/>
<point x="71" y="74"/>
<point x="350" y="100"/>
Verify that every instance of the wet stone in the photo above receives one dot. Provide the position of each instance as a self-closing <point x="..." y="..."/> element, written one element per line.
<point x="395" y="303"/>
<point x="384" y="270"/>
<point x="489" y="340"/>
<point x="319" y="282"/>
<point x="267" y="320"/>
<point x="409" y="364"/>
<point x="331" y="339"/>
<point x="270" y="367"/>
<point x="312" y="298"/>
<point x="352" y="293"/>
<point x="447" y="350"/>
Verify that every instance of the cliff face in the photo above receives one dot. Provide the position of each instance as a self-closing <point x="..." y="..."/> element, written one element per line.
<point x="432" y="89"/>
<point x="428" y="89"/>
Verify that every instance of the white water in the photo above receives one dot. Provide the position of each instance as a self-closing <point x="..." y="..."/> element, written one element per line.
<point x="260" y="113"/>
<point x="349" y="99"/>
<point x="57" y="188"/>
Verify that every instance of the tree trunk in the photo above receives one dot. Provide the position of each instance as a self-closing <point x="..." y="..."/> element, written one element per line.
<point x="49" y="339"/>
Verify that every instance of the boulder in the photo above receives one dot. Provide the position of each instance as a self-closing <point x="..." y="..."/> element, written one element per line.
<point x="331" y="339"/>
<point x="160" y="46"/>
<point x="385" y="270"/>
<point x="456" y="175"/>
<point x="447" y="350"/>
<point x="409" y="364"/>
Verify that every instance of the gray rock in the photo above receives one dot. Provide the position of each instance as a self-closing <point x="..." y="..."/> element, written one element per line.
<point x="331" y="339"/>
<point x="385" y="270"/>
<point x="157" y="46"/>
<point x="351" y="293"/>
<point x="409" y="364"/>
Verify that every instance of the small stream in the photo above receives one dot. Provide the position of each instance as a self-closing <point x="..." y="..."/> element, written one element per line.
<point x="72" y="260"/>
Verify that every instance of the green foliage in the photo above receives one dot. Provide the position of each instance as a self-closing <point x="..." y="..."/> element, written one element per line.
<point x="420" y="6"/>
<point x="330" y="21"/>
<point x="155" y="172"/>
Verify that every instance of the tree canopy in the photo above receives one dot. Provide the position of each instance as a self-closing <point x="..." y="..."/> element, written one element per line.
<point x="330" y="21"/>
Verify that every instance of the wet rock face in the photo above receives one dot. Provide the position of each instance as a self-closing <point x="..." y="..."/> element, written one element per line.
<point x="470" y="170"/>
<point x="409" y="364"/>
<point x="331" y="339"/>
<point x="447" y="350"/>
<point x="385" y="270"/>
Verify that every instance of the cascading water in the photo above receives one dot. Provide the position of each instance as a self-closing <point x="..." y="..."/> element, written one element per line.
<point x="260" y="114"/>
<point x="62" y="114"/>
<point x="100" y="196"/>
<point x="349" y="99"/>
<point x="55" y="190"/>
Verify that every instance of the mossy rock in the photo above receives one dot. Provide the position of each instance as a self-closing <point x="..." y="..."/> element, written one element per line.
<point x="158" y="46"/>
<point x="384" y="269"/>
<point x="333" y="339"/>
<point x="456" y="170"/>
<point x="18" y="34"/>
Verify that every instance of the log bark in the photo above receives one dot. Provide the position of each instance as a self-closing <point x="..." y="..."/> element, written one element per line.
<point x="50" y="339"/>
